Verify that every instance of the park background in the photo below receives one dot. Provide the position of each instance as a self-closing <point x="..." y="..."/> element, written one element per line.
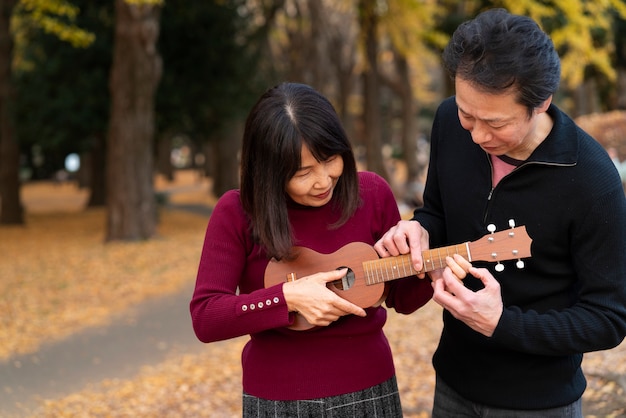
<point x="120" y="125"/>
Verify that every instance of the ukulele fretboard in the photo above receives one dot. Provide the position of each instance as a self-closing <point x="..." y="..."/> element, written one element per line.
<point x="392" y="268"/>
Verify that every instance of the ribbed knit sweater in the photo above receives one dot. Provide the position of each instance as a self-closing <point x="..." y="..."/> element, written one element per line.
<point x="570" y="298"/>
<point x="279" y="363"/>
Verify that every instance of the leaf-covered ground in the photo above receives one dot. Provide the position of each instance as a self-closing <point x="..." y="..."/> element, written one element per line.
<point x="57" y="276"/>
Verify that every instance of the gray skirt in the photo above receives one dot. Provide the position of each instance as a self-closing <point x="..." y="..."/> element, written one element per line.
<point x="382" y="401"/>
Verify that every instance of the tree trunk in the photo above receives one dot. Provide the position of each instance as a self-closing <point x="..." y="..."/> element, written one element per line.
<point x="410" y="131"/>
<point x="371" y="91"/>
<point x="135" y="74"/>
<point x="97" y="177"/>
<point x="11" y="211"/>
<point x="164" y="156"/>
<point x="208" y="165"/>
<point x="341" y="51"/>
<point x="225" y="159"/>
<point x="586" y="98"/>
<point x="621" y="89"/>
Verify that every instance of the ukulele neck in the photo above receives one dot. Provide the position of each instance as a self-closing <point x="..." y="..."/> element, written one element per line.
<point x="392" y="268"/>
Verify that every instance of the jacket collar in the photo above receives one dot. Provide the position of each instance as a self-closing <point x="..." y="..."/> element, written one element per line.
<point x="561" y="145"/>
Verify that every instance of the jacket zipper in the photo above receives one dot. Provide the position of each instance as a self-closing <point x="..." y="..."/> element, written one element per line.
<point x="524" y="164"/>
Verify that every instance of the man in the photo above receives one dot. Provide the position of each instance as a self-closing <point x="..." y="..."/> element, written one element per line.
<point x="513" y="340"/>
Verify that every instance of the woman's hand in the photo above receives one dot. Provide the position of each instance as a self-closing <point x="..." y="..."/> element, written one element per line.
<point x="403" y="238"/>
<point x="319" y="305"/>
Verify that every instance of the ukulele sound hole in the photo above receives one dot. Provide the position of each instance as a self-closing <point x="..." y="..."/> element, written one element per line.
<point x="346" y="282"/>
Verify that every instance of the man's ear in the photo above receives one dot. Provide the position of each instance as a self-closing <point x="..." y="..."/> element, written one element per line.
<point x="544" y="106"/>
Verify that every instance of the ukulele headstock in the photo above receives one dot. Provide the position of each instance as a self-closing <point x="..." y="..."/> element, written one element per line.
<point x="508" y="244"/>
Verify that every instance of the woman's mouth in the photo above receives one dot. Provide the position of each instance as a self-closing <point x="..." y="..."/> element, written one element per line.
<point x="324" y="195"/>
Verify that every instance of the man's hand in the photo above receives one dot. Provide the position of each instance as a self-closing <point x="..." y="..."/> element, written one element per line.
<point x="479" y="310"/>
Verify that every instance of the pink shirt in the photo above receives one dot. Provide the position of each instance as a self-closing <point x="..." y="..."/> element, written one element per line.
<point x="501" y="167"/>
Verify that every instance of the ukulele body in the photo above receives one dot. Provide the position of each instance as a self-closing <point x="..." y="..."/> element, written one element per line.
<point x="353" y="287"/>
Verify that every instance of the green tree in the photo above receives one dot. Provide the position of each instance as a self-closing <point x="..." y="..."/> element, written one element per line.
<point x="410" y="71"/>
<point x="16" y="20"/>
<point x="210" y="79"/>
<point x="11" y="211"/>
<point x="62" y="93"/>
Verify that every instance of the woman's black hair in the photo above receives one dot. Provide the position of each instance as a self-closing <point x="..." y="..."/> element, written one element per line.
<point x="285" y="118"/>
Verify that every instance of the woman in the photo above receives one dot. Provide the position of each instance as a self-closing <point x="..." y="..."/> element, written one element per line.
<point x="300" y="187"/>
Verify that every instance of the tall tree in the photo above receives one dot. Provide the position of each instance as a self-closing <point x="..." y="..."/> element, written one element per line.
<point x="135" y="74"/>
<point x="341" y="32"/>
<point x="209" y="85"/>
<point x="619" y="93"/>
<point x="369" y="21"/>
<point x="411" y="73"/>
<point x="11" y="211"/>
<point x="67" y="111"/>
<point x="51" y="16"/>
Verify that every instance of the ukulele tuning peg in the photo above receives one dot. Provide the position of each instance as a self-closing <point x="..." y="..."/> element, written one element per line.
<point x="512" y="225"/>
<point x="519" y="264"/>
<point x="499" y="267"/>
<point x="491" y="228"/>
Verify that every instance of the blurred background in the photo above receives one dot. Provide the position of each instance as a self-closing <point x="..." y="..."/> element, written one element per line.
<point x="117" y="114"/>
<point x="110" y="93"/>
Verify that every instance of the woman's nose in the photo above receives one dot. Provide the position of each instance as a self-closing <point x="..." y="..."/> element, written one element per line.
<point x="323" y="178"/>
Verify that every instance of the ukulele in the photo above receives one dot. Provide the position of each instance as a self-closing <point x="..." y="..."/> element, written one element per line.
<point x="364" y="282"/>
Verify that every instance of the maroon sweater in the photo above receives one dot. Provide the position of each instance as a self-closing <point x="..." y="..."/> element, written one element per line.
<point x="282" y="364"/>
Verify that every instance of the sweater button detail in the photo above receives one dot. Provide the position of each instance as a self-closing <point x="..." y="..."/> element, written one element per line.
<point x="268" y="302"/>
<point x="260" y="305"/>
<point x="244" y="308"/>
<point x="276" y="300"/>
<point x="252" y="306"/>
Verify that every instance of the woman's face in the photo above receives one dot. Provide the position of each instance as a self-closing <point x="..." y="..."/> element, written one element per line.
<point x="314" y="182"/>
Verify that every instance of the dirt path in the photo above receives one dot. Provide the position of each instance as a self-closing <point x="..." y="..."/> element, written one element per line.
<point x="146" y="335"/>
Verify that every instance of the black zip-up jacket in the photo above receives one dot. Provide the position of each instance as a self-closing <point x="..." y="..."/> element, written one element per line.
<point x="570" y="297"/>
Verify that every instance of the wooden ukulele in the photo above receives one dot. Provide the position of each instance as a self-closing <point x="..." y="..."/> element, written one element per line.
<point x="364" y="283"/>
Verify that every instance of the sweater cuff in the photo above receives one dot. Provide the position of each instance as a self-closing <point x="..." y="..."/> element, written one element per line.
<point x="507" y="331"/>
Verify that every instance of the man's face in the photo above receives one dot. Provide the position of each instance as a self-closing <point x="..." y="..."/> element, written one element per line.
<point x="497" y="123"/>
